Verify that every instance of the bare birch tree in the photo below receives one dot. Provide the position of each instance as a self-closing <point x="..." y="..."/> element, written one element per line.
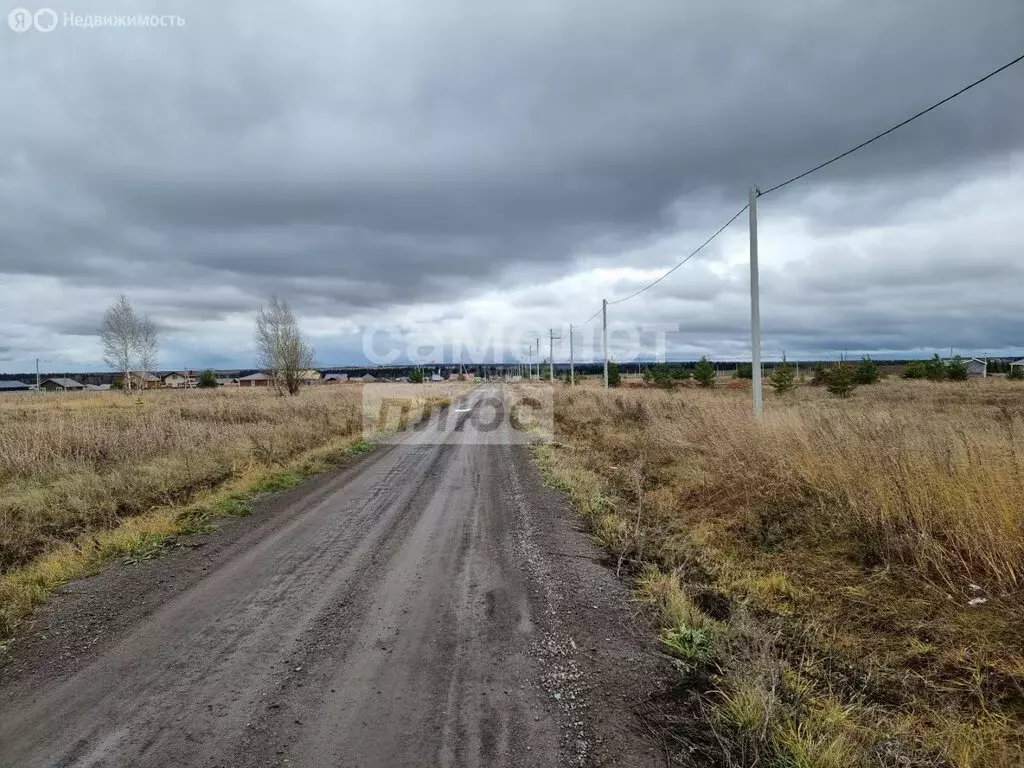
<point x="281" y="349"/>
<point x="129" y="341"/>
<point x="117" y="334"/>
<point x="146" y="346"/>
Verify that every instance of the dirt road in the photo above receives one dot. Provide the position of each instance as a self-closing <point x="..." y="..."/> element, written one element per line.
<point x="429" y="605"/>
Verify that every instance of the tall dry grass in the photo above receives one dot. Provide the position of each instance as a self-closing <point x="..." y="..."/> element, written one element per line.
<point x="88" y="478"/>
<point x="871" y="550"/>
<point x="928" y="476"/>
<point x="75" y="463"/>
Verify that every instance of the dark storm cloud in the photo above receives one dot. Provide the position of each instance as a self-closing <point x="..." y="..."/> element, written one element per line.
<point x="354" y="156"/>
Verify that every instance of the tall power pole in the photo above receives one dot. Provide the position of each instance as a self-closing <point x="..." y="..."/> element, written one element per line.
<point x="755" y="307"/>
<point x="551" y="353"/>
<point x="572" y="372"/>
<point x="604" y="332"/>
<point x="37" y="374"/>
<point x="538" y="358"/>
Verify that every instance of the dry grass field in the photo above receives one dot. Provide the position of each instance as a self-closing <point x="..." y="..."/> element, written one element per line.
<point x="88" y="477"/>
<point x="841" y="583"/>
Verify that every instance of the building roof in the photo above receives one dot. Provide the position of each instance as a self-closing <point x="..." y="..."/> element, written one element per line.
<point x="1018" y="362"/>
<point x="367" y="377"/>
<point x="336" y="377"/>
<point x="66" y="383"/>
<point x="256" y="377"/>
<point x="182" y="374"/>
<point x="14" y="385"/>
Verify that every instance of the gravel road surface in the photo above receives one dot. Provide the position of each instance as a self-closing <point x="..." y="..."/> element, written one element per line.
<point x="431" y="604"/>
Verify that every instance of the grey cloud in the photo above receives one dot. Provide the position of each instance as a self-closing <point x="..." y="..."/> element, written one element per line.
<point x="355" y="156"/>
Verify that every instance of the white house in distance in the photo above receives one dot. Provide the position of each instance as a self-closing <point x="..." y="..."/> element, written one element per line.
<point x="976" y="367"/>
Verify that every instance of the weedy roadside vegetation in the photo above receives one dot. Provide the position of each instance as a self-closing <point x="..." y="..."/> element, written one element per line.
<point x="86" y="479"/>
<point x="841" y="583"/>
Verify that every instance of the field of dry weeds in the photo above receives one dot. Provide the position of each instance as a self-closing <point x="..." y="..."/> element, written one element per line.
<point x="841" y="583"/>
<point x="88" y="477"/>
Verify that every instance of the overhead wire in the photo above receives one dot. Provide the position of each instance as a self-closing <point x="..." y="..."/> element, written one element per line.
<point x="585" y="322"/>
<point x="693" y="253"/>
<point x="806" y="173"/>
<point x="910" y="119"/>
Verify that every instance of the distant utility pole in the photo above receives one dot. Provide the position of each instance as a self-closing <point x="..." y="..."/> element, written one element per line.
<point x="572" y="371"/>
<point x="755" y="306"/>
<point x="37" y="374"/>
<point x="551" y="353"/>
<point x="538" y="358"/>
<point x="604" y="331"/>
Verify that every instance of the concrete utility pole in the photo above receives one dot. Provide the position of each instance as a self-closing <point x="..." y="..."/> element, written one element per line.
<point x="572" y="372"/>
<point x="551" y="355"/>
<point x="755" y="307"/>
<point x="538" y="358"/>
<point x="604" y="332"/>
<point x="37" y="374"/>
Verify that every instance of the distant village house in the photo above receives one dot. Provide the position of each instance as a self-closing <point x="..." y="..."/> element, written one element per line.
<point x="179" y="380"/>
<point x="975" y="367"/>
<point x="255" y="380"/>
<point x="62" y="385"/>
<point x="140" y="381"/>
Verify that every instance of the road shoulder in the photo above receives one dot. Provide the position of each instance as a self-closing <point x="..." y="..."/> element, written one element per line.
<point x="605" y="640"/>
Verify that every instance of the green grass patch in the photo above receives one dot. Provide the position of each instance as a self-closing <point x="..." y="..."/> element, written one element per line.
<point x="283" y="481"/>
<point x="693" y="646"/>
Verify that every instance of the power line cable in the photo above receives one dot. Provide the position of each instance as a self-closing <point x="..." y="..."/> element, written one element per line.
<point x="699" y="248"/>
<point x="585" y="322"/>
<point x="910" y="119"/>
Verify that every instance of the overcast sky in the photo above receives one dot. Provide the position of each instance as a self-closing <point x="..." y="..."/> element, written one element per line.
<point x="455" y="170"/>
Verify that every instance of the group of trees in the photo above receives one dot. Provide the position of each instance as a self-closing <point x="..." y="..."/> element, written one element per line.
<point x="937" y="369"/>
<point x="997" y="365"/>
<point x="704" y="373"/>
<point x="842" y="378"/>
<point x="130" y="345"/>
<point x="665" y="376"/>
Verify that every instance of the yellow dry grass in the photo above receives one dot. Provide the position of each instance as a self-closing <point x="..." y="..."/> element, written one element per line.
<point x="75" y="463"/>
<point x="853" y="534"/>
<point x="86" y="478"/>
